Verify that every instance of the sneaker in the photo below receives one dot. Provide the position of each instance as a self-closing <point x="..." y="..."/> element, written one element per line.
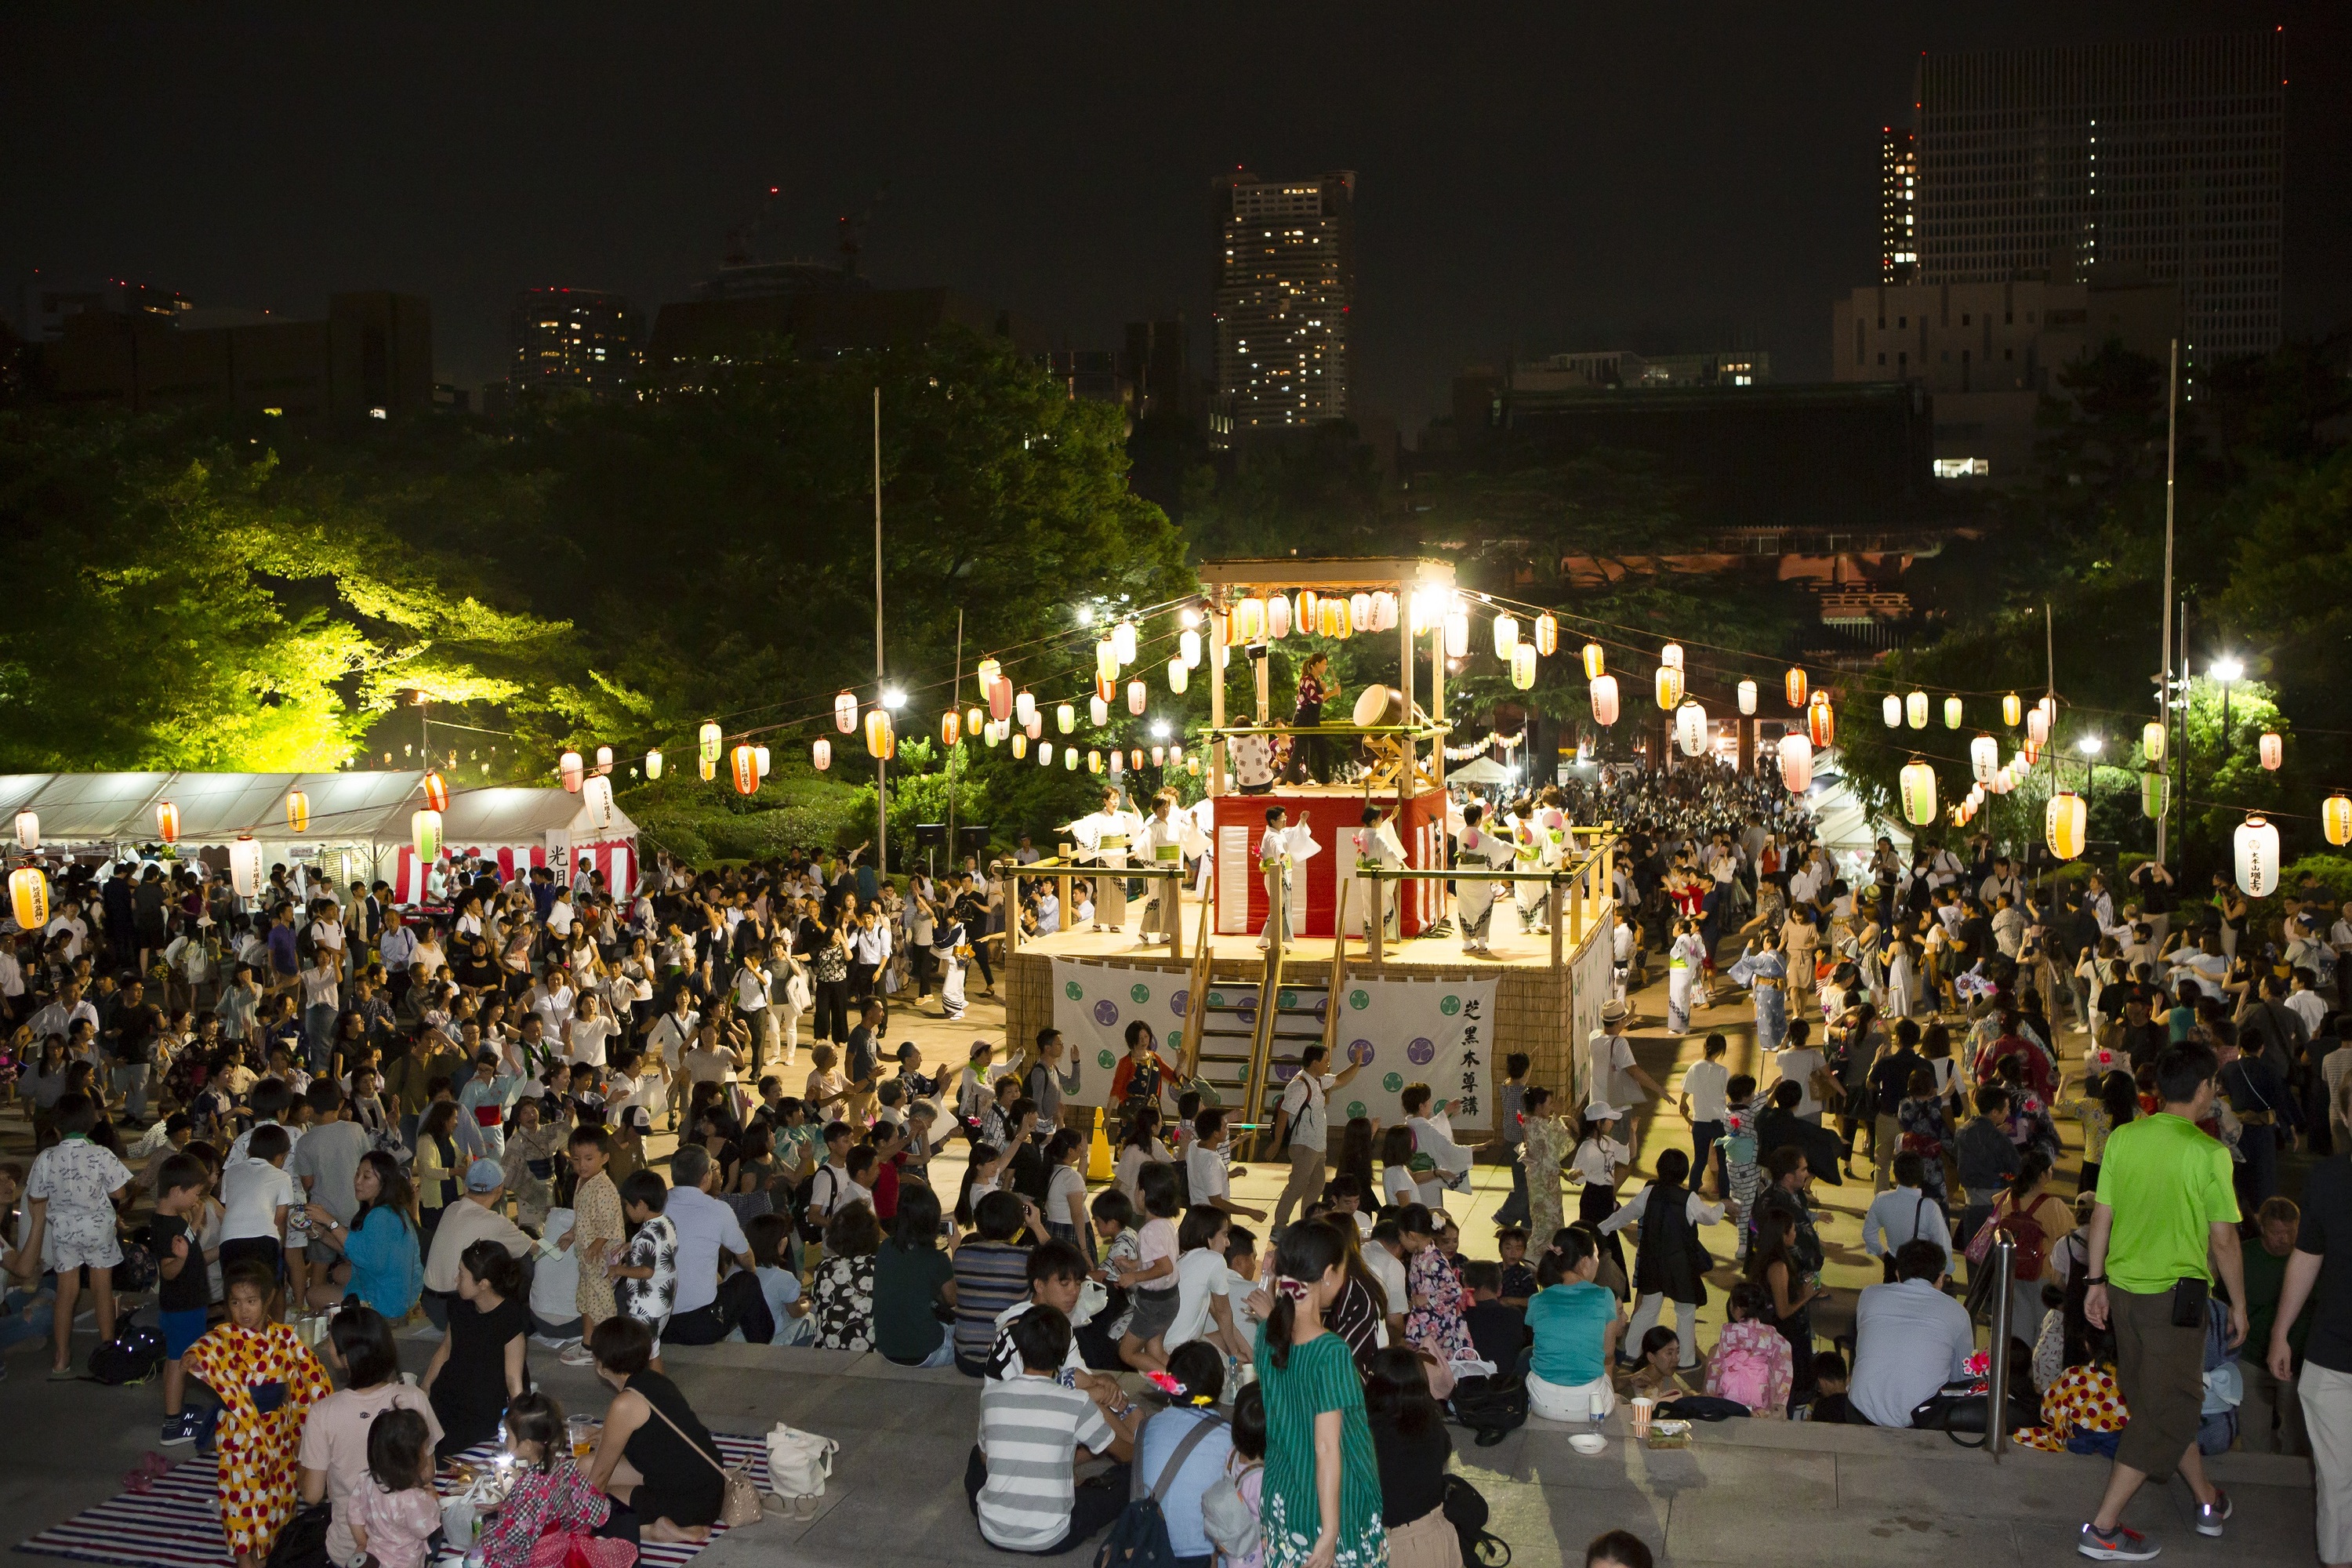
<point x="2120" y="1544"/>
<point x="2210" y="1515"/>
<point x="552" y="1342"/>
<point x="578" y="1355"/>
<point x="180" y="1428"/>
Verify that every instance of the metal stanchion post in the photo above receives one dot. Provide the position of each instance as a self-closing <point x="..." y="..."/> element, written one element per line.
<point x="2001" y="1260"/>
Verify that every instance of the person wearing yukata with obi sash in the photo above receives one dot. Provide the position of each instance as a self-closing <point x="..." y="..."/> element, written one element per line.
<point x="1104" y="838"/>
<point x="1279" y="852"/>
<point x="1767" y="973"/>
<point x="1376" y="842"/>
<point x="1475" y="899"/>
<point x="1169" y="836"/>
<point x="1532" y="850"/>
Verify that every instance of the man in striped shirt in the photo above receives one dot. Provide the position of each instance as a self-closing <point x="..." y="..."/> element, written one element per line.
<point x="1033" y="1432"/>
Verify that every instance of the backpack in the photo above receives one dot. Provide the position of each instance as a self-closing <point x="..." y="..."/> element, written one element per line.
<point x="1491" y="1405"/>
<point x="2031" y="1242"/>
<point x="134" y="1355"/>
<point x="1465" y="1511"/>
<point x="1229" y="1518"/>
<point x="1138" y="1536"/>
<point x="1743" y="1372"/>
<point x="137" y="1269"/>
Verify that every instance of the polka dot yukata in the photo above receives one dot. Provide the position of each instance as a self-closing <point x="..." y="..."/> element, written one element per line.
<point x="257" y="1451"/>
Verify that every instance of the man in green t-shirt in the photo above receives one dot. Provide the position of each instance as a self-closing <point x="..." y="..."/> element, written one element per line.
<point x="2165" y="1225"/>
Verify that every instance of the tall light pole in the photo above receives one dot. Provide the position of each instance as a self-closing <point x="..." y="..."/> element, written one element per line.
<point x="882" y="695"/>
<point x="2226" y="670"/>
<point x="2163" y="642"/>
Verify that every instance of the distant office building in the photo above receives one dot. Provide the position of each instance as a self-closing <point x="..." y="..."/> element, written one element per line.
<point x="576" y="340"/>
<point x="1091" y="376"/>
<point x="1990" y="352"/>
<point x="372" y="356"/>
<point x="2164" y="159"/>
<point x="691" y="337"/>
<point x="48" y="306"/>
<point x="1159" y="365"/>
<point x="1286" y="280"/>
<point x="1604" y="369"/>
<point x="1898" y="205"/>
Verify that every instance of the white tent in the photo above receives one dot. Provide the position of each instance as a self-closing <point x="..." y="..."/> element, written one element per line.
<point x="1485" y="770"/>
<point x="1845" y="827"/>
<point x="359" y="824"/>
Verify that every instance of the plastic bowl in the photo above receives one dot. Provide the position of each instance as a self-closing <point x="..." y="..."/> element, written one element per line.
<point x="1588" y="1443"/>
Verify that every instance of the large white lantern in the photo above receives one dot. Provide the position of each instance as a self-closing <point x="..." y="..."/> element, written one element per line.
<point x="245" y="866"/>
<point x="1671" y="656"/>
<point x="1915" y="710"/>
<point x="2037" y="727"/>
<point x="1690" y="729"/>
<point x="1984" y="758"/>
<point x="1188" y="648"/>
<point x="1546" y="634"/>
<point x="821" y="753"/>
<point x="1179" y="676"/>
<point x="1953" y="712"/>
<point x="1506" y="635"/>
<point x="569" y="764"/>
<point x="1890" y="707"/>
<point x="1277" y="618"/>
<point x="1603" y="693"/>
<point x="596" y="797"/>
<point x="1097" y="710"/>
<point x="1384" y="610"/>
<point x="2272" y="750"/>
<point x="28" y="831"/>
<point x="1457" y="633"/>
<point x="2257" y="844"/>
<point x="1918" y="782"/>
<point x="1139" y="697"/>
<point x="1796" y="762"/>
<point x="845" y="712"/>
<point x="1122" y="639"/>
<point x="1359" y="612"/>
<point x="1747" y="697"/>
<point x="1024" y="708"/>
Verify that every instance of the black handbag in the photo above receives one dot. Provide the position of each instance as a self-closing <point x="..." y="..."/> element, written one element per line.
<point x="303" y="1541"/>
<point x="1465" y="1509"/>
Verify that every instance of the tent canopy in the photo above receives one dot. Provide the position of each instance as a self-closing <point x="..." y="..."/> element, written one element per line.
<point x="1844" y="827"/>
<point x="1485" y="770"/>
<point x="345" y="808"/>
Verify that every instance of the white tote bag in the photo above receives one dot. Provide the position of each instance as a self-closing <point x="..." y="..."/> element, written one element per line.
<point x="798" y="1464"/>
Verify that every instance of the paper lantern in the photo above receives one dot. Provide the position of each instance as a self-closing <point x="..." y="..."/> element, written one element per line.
<point x="1821" y="720"/>
<point x="1506" y="635"/>
<point x="1384" y="610"/>
<point x="245" y="866"/>
<point x="2049" y="705"/>
<point x="1097" y="710"/>
<point x="950" y="727"/>
<point x="1094" y="760"/>
<point x="1669" y="687"/>
<point x="436" y="792"/>
<point x="1984" y="758"/>
<point x="1035" y="728"/>
<point x="1122" y="639"/>
<point x="1118" y="765"/>
<point x="2063" y="822"/>
<point x="571" y="769"/>
<point x="1523" y="665"/>
<point x="845" y="712"/>
<point x="2011" y="711"/>
<point x="2037" y="727"/>
<point x="1046" y="754"/>
<point x="744" y="768"/>
<point x="1915" y="710"/>
<point x="604" y="759"/>
<point x="1134" y="757"/>
<point x="1953" y="713"/>
<point x="760" y="759"/>
<point x="1158" y="756"/>
<point x="1793" y="685"/>
<point x="1019" y="746"/>
<point x="1307" y="612"/>
<point x="1069" y="759"/>
<point x="28" y="897"/>
<point x="2335" y="819"/>
<point x="1690" y="729"/>
<point x="2151" y="740"/>
<point x="975" y="722"/>
<point x="1278" y="618"/>
<point x="1106" y="689"/>
<point x="1918" y="785"/>
<point x="167" y="823"/>
<point x="1603" y="691"/>
<point x="708" y="739"/>
<point x="1796" y="763"/>
<point x="1457" y="633"/>
<point x="708" y="769"/>
<point x="1671" y="656"/>
<point x="1138" y="696"/>
<point x="1024" y="709"/>
<point x="1176" y="755"/>
<point x="880" y="740"/>
<point x="1890" y="707"/>
<point x="1106" y="659"/>
<point x="1188" y="649"/>
<point x="2272" y="750"/>
<point x="596" y="799"/>
<point x="28" y="832"/>
<point x="1179" y="676"/>
<point x="425" y="834"/>
<point x="1248" y="620"/>
<point x="821" y="753"/>
<point x="1547" y="635"/>
<point x="2154" y="794"/>
<point x="1595" y="662"/>
<point x="1193" y="766"/>
<point x="654" y="764"/>
<point x="1747" y="697"/>
<point x="1065" y="716"/>
<point x="2257" y="844"/>
<point x="1359" y="612"/>
<point x="2001" y="782"/>
<point x="1975" y="795"/>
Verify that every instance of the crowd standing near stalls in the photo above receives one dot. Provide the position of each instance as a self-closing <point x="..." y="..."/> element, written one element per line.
<point x="320" y="1100"/>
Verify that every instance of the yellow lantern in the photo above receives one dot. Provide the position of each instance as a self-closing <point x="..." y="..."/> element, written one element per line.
<point x="1106" y="660"/>
<point x="572" y="769"/>
<point x="1915" y="710"/>
<point x="1546" y="634"/>
<point x="2335" y="819"/>
<point x="436" y="795"/>
<point x="880" y="740"/>
<point x="710" y="769"/>
<point x="2011" y="711"/>
<point x="975" y="721"/>
<point x="1793" y="684"/>
<point x="1019" y="746"/>
<point x="1138" y="696"/>
<point x="297" y="811"/>
<point x="1671" y="656"/>
<point x="2151" y="740"/>
<point x="1953" y="713"/>
<point x="1747" y="697"/>
<point x="1188" y="649"/>
<point x="1179" y="676"/>
<point x="1603" y="692"/>
<point x="1506" y="635"/>
<point x="845" y="712"/>
<point x="745" y="769"/>
<point x="2272" y="750"/>
<point x="28" y="832"/>
<point x="1595" y="662"/>
<point x="1065" y="718"/>
<point x="1099" y="710"/>
<point x="1669" y="687"/>
<point x="28" y="896"/>
<point x="1523" y="665"/>
<point x="1094" y="760"/>
<point x="1248" y="620"/>
<point x="950" y="727"/>
<point x="425" y="834"/>
<point x="709" y="739"/>
<point x="2064" y="821"/>
<point x="1122" y="643"/>
<point x="1918" y="781"/>
<point x="1821" y="720"/>
<point x="167" y="823"/>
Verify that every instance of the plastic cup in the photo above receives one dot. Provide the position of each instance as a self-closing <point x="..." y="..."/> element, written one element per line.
<point x="1641" y="1407"/>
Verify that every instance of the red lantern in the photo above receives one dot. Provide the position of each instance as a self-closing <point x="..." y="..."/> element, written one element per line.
<point x="436" y="792"/>
<point x="1820" y="721"/>
<point x="950" y="728"/>
<point x="167" y="823"/>
<point x="1793" y="683"/>
<point x="745" y="766"/>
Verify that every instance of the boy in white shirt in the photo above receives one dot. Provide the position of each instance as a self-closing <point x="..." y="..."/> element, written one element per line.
<point x="1207" y="1166"/>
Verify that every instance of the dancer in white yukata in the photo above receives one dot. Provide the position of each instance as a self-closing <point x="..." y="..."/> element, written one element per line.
<point x="1474" y="901"/>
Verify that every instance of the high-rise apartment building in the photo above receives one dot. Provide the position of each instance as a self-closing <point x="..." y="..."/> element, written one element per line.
<point x="1285" y="279"/>
<point x="578" y="339"/>
<point x="1898" y="205"/>
<point x="2161" y="160"/>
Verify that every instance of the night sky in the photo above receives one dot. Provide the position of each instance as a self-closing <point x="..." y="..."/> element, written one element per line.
<point x="1532" y="178"/>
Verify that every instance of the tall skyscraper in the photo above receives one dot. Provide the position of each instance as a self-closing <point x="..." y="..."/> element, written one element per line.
<point x="579" y="339"/>
<point x="1898" y="205"/>
<point x="2162" y="160"/>
<point x="1285" y="277"/>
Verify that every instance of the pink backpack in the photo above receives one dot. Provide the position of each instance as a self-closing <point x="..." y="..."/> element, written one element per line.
<point x="1741" y="1368"/>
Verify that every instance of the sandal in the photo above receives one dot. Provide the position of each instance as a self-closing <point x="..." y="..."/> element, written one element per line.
<point x="154" y="1464"/>
<point x="138" y="1481"/>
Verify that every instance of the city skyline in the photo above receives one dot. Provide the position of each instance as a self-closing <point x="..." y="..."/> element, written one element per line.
<point x="1656" y="209"/>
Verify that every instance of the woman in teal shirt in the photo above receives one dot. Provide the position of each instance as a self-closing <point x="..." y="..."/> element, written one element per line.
<point x="1576" y="1329"/>
<point x="386" y="1270"/>
<point x="1319" y="1498"/>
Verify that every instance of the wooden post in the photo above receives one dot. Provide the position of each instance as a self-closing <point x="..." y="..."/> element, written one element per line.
<point x="1339" y="972"/>
<point x="1558" y="935"/>
<point x="1175" y="916"/>
<point x="1217" y="699"/>
<point x="1378" y="941"/>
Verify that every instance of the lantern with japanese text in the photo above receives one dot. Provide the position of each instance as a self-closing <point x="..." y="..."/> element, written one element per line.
<point x="1821" y="720"/>
<point x="596" y="799"/>
<point x="572" y="769"/>
<point x="2037" y="726"/>
<point x="1793" y="685"/>
<point x="845" y="712"/>
<point x="2151" y="740"/>
<point x="1065" y="716"/>
<point x="1603" y="691"/>
<point x="167" y="823"/>
<point x="297" y="811"/>
<point x="2011" y="711"/>
<point x="1024" y="708"/>
<point x="1918" y="785"/>
<point x="1019" y="746"/>
<point x="1248" y="620"/>
<point x="1307" y="612"/>
<point x="1331" y="618"/>
<point x="1915" y="710"/>
<point x="1457" y="632"/>
<point x="1188" y="649"/>
<point x="1122" y="641"/>
<point x="1796" y="762"/>
<point x="881" y="737"/>
<point x="654" y="764"/>
<point x="2154" y="794"/>
<point x="1546" y="634"/>
<point x="1359" y="612"/>
<point x="1523" y="665"/>
<point x="1506" y="635"/>
<point x="1278" y="618"/>
<point x="1747" y="697"/>
<point x="1669" y="687"/>
<point x="1384" y="610"/>
<point x="2272" y="750"/>
<point x="436" y="792"/>
<point x="28" y="832"/>
<point x="1179" y="676"/>
<point x="2257" y="846"/>
<point x="950" y="727"/>
<point x="708" y="769"/>
<point x="1596" y="663"/>
<point x="1138" y="696"/>
<point x="424" y="835"/>
<point x="1690" y="729"/>
<point x="1953" y="712"/>
<point x="2335" y="819"/>
<point x="1984" y="758"/>
<point x="709" y="739"/>
<point x="28" y="897"/>
<point x="821" y="753"/>
<point x="1890" y="707"/>
<point x="744" y="768"/>
<point x="245" y="863"/>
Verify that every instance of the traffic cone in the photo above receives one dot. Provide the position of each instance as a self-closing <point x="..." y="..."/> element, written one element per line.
<point x="1100" y="1165"/>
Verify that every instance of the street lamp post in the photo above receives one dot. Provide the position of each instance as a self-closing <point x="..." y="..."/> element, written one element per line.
<point x="2226" y="670"/>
